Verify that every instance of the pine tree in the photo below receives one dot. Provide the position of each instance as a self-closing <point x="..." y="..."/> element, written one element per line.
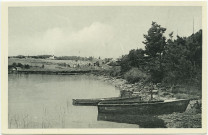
<point x="155" y="43"/>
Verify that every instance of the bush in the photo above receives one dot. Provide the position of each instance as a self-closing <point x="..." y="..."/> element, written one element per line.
<point x="115" y="71"/>
<point x="135" y="75"/>
<point x="113" y="63"/>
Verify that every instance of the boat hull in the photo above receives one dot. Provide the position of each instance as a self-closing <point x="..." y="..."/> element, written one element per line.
<point x="143" y="121"/>
<point x="144" y="108"/>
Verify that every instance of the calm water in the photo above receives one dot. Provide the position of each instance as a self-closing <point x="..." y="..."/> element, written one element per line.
<point x="45" y="101"/>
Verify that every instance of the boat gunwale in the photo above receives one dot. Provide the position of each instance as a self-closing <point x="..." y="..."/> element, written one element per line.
<point x="138" y="104"/>
<point x="111" y="98"/>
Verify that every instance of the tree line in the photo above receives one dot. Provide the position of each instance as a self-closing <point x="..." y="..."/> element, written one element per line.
<point x="165" y="60"/>
<point x="76" y="58"/>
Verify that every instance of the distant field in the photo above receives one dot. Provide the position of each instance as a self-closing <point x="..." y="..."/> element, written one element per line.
<point x="36" y="64"/>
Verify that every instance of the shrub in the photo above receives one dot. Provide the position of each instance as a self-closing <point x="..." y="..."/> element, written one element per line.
<point x="135" y="75"/>
<point x="113" y="63"/>
<point x="115" y="71"/>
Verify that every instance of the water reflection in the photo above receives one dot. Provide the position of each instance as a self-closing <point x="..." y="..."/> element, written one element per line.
<point x="144" y="121"/>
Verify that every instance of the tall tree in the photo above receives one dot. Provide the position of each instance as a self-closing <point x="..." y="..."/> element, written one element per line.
<point x="155" y="43"/>
<point x="155" y="40"/>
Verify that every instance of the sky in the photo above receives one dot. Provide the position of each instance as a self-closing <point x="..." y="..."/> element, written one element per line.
<point x="108" y="32"/>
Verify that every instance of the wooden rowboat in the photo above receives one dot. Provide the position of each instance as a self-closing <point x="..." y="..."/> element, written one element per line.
<point x="94" y="102"/>
<point x="152" y="107"/>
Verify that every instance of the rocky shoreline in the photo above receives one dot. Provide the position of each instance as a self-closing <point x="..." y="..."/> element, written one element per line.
<point x="139" y="88"/>
<point x="191" y="118"/>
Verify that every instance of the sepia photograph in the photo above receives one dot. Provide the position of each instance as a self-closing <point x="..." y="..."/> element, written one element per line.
<point x="104" y="66"/>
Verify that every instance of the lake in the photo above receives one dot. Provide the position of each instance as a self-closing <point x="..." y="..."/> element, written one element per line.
<point x="45" y="101"/>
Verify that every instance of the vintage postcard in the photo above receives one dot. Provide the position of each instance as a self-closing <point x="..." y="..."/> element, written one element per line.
<point x="104" y="67"/>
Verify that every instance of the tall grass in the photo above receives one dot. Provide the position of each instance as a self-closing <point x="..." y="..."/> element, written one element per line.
<point x="47" y="119"/>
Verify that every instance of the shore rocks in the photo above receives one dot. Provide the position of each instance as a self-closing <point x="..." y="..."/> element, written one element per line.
<point x="191" y="118"/>
<point x="194" y="106"/>
<point x="182" y="120"/>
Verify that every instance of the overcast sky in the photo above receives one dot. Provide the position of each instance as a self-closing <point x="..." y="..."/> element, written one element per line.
<point x="92" y="31"/>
